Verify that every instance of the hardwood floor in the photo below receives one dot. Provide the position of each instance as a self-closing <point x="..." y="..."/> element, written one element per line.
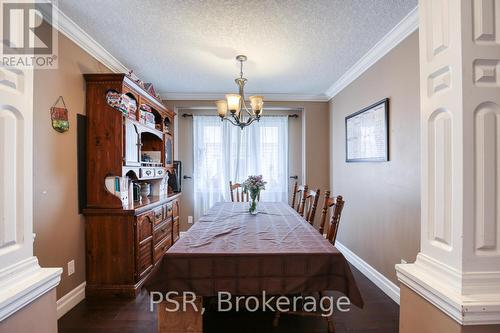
<point x="118" y="315"/>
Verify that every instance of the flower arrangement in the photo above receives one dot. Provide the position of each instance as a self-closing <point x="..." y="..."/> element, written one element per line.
<point x="253" y="185"/>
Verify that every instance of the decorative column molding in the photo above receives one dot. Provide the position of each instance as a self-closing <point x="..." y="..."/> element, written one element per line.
<point x="458" y="268"/>
<point x="22" y="280"/>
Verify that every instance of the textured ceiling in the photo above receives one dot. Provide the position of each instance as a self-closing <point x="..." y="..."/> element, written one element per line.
<point x="188" y="46"/>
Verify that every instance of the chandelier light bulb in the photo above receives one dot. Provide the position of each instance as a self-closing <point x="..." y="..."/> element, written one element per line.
<point x="233" y="103"/>
<point x="221" y="108"/>
<point x="257" y="103"/>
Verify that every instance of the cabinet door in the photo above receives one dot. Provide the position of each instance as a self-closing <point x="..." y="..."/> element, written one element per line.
<point x="144" y="260"/>
<point x="132" y="144"/>
<point x="175" y="208"/>
<point x="175" y="229"/>
<point x="144" y="226"/>
<point x="175" y="220"/>
<point x="144" y="244"/>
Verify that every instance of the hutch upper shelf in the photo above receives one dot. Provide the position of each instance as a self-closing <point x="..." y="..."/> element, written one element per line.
<point x="137" y="143"/>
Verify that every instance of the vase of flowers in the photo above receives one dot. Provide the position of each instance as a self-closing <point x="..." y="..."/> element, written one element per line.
<point x="253" y="185"/>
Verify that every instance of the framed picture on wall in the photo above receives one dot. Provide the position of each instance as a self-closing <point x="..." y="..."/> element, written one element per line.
<point x="367" y="134"/>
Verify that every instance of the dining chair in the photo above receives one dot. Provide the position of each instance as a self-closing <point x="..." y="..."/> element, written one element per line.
<point x="337" y="204"/>
<point x="237" y="190"/>
<point x="335" y="220"/>
<point x="309" y="205"/>
<point x="333" y="227"/>
<point x="303" y="198"/>
<point x="299" y="197"/>
<point x="296" y="191"/>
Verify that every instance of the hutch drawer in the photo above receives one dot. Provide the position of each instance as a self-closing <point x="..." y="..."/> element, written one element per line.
<point x="146" y="173"/>
<point x="158" y="215"/>
<point x="159" y="172"/>
<point x="164" y="230"/>
<point x="161" y="248"/>
<point x="168" y="211"/>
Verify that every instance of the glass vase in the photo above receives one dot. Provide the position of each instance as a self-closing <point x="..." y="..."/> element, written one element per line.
<point x="253" y="203"/>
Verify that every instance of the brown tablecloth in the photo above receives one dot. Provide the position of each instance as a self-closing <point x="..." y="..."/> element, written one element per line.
<point x="276" y="251"/>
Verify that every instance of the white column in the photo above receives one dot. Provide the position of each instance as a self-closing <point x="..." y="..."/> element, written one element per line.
<point x="22" y="280"/>
<point x="458" y="268"/>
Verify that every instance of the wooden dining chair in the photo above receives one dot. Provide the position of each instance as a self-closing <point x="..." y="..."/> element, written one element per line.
<point x="309" y="205"/>
<point x="296" y="194"/>
<point x="338" y="205"/>
<point x="305" y="201"/>
<point x="237" y="190"/>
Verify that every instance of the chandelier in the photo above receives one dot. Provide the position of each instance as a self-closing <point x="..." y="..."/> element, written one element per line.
<point x="239" y="114"/>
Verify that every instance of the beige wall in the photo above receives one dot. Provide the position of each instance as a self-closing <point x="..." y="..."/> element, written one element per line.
<point x="381" y="218"/>
<point x="60" y="233"/>
<point x="314" y="118"/>
<point x="38" y="316"/>
<point x="419" y="316"/>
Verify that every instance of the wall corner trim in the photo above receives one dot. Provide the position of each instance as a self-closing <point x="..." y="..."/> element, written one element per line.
<point x="70" y="300"/>
<point x="75" y="33"/>
<point x="402" y="30"/>
<point x="24" y="282"/>
<point x="384" y="284"/>
<point x="444" y="288"/>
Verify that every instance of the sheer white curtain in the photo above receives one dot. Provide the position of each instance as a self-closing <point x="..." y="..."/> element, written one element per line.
<point x="223" y="153"/>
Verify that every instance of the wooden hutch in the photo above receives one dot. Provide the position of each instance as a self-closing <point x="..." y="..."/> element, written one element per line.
<point x="126" y="239"/>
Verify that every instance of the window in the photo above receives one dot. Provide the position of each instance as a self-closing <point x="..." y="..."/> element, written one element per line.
<point x="226" y="153"/>
<point x="211" y="157"/>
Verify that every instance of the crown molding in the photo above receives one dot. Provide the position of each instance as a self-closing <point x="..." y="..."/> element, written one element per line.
<point x="74" y="32"/>
<point x="404" y="28"/>
<point x="172" y="96"/>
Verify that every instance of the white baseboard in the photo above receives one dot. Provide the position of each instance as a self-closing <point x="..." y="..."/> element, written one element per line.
<point x="386" y="285"/>
<point x="70" y="300"/>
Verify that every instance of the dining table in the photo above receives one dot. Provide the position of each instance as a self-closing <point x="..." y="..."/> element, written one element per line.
<point x="275" y="251"/>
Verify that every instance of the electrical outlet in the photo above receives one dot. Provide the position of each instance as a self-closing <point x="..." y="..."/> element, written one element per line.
<point x="71" y="267"/>
<point x="403" y="261"/>
<point x="190" y="220"/>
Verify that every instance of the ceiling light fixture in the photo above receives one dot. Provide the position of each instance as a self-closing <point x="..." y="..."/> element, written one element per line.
<point x="235" y="103"/>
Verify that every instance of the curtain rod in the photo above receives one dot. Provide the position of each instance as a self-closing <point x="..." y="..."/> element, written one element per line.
<point x="189" y="115"/>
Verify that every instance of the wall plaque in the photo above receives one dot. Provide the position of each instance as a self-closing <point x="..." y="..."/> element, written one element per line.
<point x="367" y="134"/>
